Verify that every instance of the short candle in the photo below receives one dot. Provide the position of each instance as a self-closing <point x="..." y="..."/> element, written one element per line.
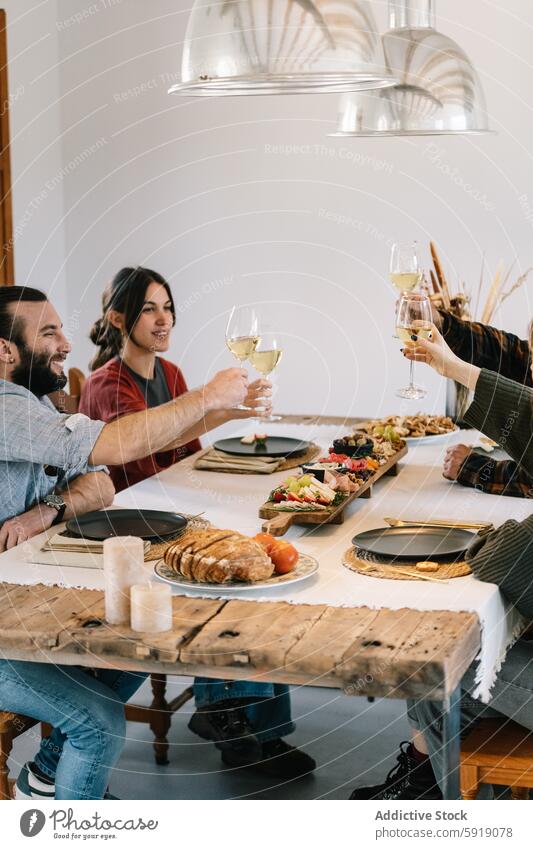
<point x="151" y="608"/>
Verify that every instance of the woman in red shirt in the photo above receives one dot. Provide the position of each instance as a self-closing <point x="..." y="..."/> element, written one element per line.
<point x="245" y="719"/>
<point x="128" y="376"/>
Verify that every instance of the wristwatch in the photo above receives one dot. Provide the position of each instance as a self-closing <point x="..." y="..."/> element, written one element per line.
<point x="58" y="504"/>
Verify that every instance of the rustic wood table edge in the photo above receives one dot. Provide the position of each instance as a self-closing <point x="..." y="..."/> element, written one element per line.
<point x="392" y="653"/>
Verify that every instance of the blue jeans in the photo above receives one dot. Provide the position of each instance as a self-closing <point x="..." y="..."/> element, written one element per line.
<point x="270" y="716"/>
<point x="87" y="714"/>
<point x="511" y="697"/>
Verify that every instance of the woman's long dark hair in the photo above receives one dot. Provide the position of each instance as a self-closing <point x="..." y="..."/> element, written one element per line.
<point x="126" y="294"/>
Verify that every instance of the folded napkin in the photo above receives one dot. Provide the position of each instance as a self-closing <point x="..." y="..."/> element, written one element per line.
<point x="217" y="461"/>
<point x="59" y="550"/>
<point x="78" y="559"/>
<point x="59" y="542"/>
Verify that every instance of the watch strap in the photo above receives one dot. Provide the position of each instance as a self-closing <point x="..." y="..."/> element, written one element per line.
<point x="60" y="514"/>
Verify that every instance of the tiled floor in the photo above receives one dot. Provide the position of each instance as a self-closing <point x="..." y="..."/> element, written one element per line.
<point x="353" y="742"/>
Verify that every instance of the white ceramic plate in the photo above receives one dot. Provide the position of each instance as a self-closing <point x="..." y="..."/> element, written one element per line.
<point x="306" y="567"/>
<point x="433" y="438"/>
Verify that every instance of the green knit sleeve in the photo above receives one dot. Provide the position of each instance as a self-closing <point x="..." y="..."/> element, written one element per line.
<point x="503" y="410"/>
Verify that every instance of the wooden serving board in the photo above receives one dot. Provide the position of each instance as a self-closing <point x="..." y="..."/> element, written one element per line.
<point x="278" y="522"/>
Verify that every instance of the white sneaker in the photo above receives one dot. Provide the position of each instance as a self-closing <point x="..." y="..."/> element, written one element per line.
<point x="29" y="786"/>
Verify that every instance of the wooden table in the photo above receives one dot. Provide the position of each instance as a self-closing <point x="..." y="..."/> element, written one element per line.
<point x="397" y="654"/>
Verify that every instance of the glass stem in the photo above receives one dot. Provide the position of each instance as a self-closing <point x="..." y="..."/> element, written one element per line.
<point x="411" y="374"/>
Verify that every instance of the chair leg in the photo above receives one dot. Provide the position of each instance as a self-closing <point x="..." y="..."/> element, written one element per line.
<point x="161" y="718"/>
<point x="520" y="792"/>
<point x="46" y="730"/>
<point x="6" y="744"/>
<point x="469" y="778"/>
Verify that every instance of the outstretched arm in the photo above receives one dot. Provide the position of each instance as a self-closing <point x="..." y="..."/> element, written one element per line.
<point x="487" y="347"/>
<point x="502" y="408"/>
<point x="141" y="434"/>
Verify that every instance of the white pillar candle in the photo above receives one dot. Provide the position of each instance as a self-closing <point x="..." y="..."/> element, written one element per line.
<point x="151" y="608"/>
<point x="123" y="567"/>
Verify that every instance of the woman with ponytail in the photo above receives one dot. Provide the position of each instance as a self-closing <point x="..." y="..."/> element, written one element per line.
<point x="128" y="375"/>
<point x="246" y="720"/>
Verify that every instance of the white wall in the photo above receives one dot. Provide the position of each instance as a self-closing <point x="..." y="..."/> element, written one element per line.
<point x="198" y="190"/>
<point x="36" y="146"/>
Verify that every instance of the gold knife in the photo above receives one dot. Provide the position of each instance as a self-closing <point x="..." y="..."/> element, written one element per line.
<point x="401" y="523"/>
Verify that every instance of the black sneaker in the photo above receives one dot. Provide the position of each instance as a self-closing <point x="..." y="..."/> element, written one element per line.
<point x="226" y="724"/>
<point x="408" y="780"/>
<point x="277" y="759"/>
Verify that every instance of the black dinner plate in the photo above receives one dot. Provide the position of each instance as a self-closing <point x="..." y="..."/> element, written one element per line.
<point x="415" y="543"/>
<point x="150" y="525"/>
<point x="276" y="446"/>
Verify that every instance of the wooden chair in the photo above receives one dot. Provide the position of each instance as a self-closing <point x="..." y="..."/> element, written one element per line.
<point x="159" y="714"/>
<point x="497" y="752"/>
<point x="12" y="725"/>
<point x="69" y="402"/>
<point x="76" y="382"/>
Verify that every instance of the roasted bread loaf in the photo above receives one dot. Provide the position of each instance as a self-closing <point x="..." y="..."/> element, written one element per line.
<point x="216" y="557"/>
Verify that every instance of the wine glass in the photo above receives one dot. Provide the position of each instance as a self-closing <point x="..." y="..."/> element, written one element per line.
<point x="404" y="271"/>
<point x="266" y="357"/>
<point x="413" y="321"/>
<point x="242" y="332"/>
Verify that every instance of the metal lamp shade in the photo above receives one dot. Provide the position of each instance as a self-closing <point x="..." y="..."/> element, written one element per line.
<point x="246" y="47"/>
<point x="439" y="91"/>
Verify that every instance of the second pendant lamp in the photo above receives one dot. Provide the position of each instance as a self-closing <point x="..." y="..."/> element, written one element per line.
<point x="438" y="93"/>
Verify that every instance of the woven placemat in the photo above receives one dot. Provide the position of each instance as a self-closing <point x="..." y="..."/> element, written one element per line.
<point x="157" y="549"/>
<point x="367" y="564"/>
<point x="311" y="454"/>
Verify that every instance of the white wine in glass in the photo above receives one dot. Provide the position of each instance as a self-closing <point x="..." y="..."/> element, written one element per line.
<point x="242" y="332"/>
<point x="242" y="347"/>
<point x="265" y="361"/>
<point x="404" y="271"/>
<point x="413" y="321"/>
<point x="409" y="335"/>
<point x="265" y="358"/>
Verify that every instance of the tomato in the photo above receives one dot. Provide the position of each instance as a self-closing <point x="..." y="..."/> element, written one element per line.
<point x="266" y="541"/>
<point x="284" y="557"/>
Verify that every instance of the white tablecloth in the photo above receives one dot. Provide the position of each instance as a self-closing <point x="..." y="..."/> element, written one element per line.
<point x="419" y="492"/>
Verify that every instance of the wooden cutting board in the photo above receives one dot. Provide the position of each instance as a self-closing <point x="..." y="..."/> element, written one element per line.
<point x="278" y="522"/>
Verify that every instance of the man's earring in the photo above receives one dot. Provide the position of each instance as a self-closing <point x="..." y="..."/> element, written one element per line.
<point x="11" y="360"/>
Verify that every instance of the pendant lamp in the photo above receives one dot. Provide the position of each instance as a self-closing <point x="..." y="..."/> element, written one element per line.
<point x="438" y="93"/>
<point x="245" y="47"/>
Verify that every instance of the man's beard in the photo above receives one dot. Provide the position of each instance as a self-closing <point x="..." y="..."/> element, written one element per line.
<point x="34" y="373"/>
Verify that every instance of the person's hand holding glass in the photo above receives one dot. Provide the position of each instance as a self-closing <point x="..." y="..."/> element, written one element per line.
<point x="413" y="322"/>
<point x="266" y="357"/>
<point x="246" y="341"/>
